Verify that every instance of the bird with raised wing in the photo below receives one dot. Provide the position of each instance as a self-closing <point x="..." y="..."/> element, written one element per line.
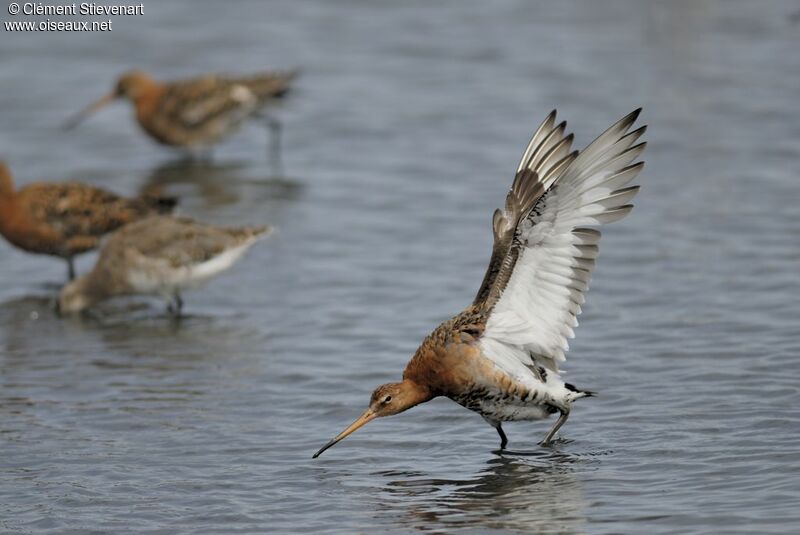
<point x="160" y="256"/>
<point x="500" y="357"/>
<point x="195" y="113"/>
<point x="67" y="219"/>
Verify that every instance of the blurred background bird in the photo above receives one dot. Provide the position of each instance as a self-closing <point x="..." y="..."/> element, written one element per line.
<point x="67" y="219"/>
<point x="197" y="113"/>
<point x="160" y="256"/>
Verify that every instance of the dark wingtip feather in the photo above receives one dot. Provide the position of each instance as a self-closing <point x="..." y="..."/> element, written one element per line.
<point x="638" y="165"/>
<point x="630" y="118"/>
<point x="639" y="132"/>
<point x="626" y="189"/>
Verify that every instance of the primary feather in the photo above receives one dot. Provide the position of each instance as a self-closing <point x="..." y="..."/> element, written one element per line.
<point x="544" y="253"/>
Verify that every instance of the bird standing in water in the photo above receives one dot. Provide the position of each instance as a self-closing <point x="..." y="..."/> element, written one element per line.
<point x="162" y="256"/>
<point x="500" y="357"/>
<point x="196" y="113"/>
<point x="67" y="219"/>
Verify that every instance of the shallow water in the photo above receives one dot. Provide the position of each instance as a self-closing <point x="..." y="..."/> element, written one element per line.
<point x="399" y="142"/>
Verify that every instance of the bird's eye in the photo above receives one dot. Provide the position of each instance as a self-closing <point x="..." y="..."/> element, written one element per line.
<point x="387" y="399"/>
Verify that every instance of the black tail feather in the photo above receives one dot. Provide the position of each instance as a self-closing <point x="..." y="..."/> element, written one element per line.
<point x="161" y="203"/>
<point x="166" y="205"/>
<point x="586" y="393"/>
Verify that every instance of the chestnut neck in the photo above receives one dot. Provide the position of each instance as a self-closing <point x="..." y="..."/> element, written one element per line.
<point x="6" y="183"/>
<point x="414" y="393"/>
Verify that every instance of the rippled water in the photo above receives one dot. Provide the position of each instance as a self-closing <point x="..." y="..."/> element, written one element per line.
<point x="400" y="140"/>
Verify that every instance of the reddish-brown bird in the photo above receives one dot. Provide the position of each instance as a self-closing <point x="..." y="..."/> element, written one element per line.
<point x="66" y="219"/>
<point x="194" y="113"/>
<point x="500" y="356"/>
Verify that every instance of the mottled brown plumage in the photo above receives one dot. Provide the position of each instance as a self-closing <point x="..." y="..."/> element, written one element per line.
<point x="66" y="219"/>
<point x="499" y="357"/>
<point x="198" y="112"/>
<point x="160" y="255"/>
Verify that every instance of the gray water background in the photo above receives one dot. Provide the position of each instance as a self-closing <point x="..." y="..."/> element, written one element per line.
<point x="400" y="140"/>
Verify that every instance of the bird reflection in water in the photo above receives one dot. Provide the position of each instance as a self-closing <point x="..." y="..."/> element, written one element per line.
<point x="215" y="185"/>
<point x="531" y="493"/>
<point x="24" y="320"/>
<point x="121" y="334"/>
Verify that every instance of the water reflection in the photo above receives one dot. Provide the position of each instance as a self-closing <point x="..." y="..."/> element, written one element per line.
<point x="30" y="328"/>
<point x="190" y="338"/>
<point x="24" y="323"/>
<point x="535" y="493"/>
<point x="210" y="184"/>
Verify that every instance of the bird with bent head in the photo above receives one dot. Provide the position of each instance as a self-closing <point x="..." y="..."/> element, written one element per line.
<point x="161" y="256"/>
<point x="500" y="357"/>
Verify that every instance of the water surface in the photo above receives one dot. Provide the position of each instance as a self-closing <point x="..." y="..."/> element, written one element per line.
<point x="400" y="140"/>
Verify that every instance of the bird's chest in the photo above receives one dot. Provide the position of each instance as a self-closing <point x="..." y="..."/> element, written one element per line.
<point x="462" y="373"/>
<point x="29" y="234"/>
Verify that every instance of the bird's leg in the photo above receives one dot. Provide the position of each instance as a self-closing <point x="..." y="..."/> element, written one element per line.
<point x="198" y="156"/>
<point x="175" y="304"/>
<point x="70" y="268"/>
<point x="503" y="438"/>
<point x="176" y="298"/>
<point x="275" y="133"/>
<point x="499" y="427"/>
<point x="556" y="426"/>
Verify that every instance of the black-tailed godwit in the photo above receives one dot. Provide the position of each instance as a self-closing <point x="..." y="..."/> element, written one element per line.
<point x="160" y="256"/>
<point x="195" y="113"/>
<point x="500" y="357"/>
<point x="67" y="219"/>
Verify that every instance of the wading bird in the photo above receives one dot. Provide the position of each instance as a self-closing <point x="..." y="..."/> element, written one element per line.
<point x="160" y="256"/>
<point x="67" y="219"/>
<point x="196" y="113"/>
<point x="500" y="356"/>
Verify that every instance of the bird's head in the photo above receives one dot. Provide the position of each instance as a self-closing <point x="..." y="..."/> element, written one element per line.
<point x="131" y="85"/>
<point x="75" y="296"/>
<point x="386" y="400"/>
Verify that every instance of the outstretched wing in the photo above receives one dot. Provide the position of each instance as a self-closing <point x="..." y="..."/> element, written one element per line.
<point x="547" y="154"/>
<point x="543" y="253"/>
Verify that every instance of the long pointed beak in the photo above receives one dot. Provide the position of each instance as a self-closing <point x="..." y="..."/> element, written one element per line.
<point x="367" y="417"/>
<point x="76" y="119"/>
